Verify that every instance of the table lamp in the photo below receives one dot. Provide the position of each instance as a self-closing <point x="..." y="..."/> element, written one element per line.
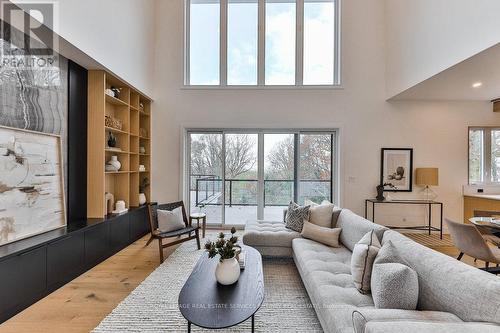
<point x="427" y="177"/>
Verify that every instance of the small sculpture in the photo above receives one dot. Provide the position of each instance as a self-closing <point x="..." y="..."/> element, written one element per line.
<point x="380" y="190"/>
<point x="109" y="198"/>
<point x="111" y="140"/>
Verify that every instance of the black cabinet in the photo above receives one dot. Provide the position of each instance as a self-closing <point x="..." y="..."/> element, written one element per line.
<point x="65" y="259"/>
<point x="97" y="245"/>
<point x="139" y="223"/>
<point x="119" y="232"/>
<point x="23" y="280"/>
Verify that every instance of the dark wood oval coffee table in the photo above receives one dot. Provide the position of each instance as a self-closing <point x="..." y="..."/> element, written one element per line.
<point x="208" y="304"/>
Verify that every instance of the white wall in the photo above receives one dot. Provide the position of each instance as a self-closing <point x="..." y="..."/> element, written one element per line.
<point x="425" y="37"/>
<point x="436" y="131"/>
<point x="119" y="34"/>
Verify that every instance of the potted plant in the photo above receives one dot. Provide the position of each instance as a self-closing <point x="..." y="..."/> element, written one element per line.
<point x="228" y="268"/>
<point x="142" y="188"/>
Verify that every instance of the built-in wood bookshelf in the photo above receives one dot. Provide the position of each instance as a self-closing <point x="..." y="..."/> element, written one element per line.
<point x="133" y="109"/>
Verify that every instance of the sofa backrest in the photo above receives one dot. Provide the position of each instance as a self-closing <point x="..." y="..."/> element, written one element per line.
<point x="446" y="284"/>
<point x="354" y="227"/>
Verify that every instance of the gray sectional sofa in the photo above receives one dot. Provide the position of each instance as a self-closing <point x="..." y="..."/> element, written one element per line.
<point x="453" y="297"/>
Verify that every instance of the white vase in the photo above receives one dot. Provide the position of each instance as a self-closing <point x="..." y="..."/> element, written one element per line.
<point x="227" y="271"/>
<point x="115" y="163"/>
<point x="142" y="198"/>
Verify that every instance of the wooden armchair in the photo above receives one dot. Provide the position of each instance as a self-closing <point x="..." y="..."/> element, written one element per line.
<point x="189" y="231"/>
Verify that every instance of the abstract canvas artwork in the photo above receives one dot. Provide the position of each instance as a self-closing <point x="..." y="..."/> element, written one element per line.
<point x="31" y="184"/>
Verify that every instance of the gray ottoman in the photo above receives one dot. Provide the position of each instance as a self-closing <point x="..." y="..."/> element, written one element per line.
<point x="271" y="239"/>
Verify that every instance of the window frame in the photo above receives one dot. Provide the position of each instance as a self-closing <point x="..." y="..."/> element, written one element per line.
<point x="299" y="49"/>
<point x="486" y="163"/>
<point x="335" y="191"/>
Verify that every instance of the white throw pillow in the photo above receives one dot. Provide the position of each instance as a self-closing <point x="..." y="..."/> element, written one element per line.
<point x="327" y="236"/>
<point x="170" y="220"/>
<point x="363" y="256"/>
<point x="321" y="214"/>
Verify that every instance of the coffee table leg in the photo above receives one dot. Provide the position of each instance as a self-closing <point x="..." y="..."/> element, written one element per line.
<point x="253" y="323"/>
<point x="189" y="327"/>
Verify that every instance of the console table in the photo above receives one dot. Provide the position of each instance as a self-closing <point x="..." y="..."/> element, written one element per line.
<point x="429" y="203"/>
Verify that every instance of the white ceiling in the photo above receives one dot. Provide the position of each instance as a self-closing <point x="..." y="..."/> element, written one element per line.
<point x="455" y="83"/>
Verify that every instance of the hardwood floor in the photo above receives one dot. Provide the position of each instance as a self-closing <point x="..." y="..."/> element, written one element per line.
<point x="80" y="305"/>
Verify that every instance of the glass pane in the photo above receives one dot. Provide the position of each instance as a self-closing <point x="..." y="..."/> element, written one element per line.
<point x="475" y="156"/>
<point x="241" y="178"/>
<point x="206" y="175"/>
<point x="495" y="155"/>
<point x="279" y="154"/>
<point x="315" y="167"/>
<point x="242" y="35"/>
<point x="280" y="42"/>
<point x="319" y="41"/>
<point x="204" y="41"/>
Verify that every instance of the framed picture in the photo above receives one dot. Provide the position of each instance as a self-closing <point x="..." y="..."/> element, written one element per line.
<point x="397" y="169"/>
<point x="31" y="184"/>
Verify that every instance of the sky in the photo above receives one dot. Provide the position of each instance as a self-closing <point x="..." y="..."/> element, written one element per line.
<point x="280" y="43"/>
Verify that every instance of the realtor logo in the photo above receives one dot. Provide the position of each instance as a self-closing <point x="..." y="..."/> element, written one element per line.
<point x="27" y="38"/>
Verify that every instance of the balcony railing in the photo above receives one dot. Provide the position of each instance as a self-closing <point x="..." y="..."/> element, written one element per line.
<point x="244" y="192"/>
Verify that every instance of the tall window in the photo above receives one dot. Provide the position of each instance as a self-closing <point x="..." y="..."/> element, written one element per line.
<point x="262" y="42"/>
<point x="484" y="155"/>
<point x="240" y="175"/>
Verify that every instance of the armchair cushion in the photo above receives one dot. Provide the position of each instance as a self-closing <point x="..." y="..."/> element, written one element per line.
<point x="170" y="220"/>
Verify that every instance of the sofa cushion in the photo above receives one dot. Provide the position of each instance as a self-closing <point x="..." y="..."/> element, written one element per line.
<point x="360" y="317"/>
<point x="354" y="227"/>
<point x="295" y="216"/>
<point x="394" y="285"/>
<point x="322" y="214"/>
<point x="446" y="284"/>
<point x="363" y="256"/>
<point x="268" y="234"/>
<point x="429" y="327"/>
<point x="323" y="235"/>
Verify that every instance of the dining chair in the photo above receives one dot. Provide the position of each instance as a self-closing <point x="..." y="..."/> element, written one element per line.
<point x="188" y="231"/>
<point x="469" y="241"/>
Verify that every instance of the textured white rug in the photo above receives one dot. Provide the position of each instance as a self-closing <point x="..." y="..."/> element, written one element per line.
<point x="152" y="306"/>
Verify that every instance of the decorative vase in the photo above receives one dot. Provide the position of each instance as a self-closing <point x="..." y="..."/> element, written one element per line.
<point x="142" y="198"/>
<point x="227" y="271"/>
<point x="113" y="162"/>
<point x="111" y="140"/>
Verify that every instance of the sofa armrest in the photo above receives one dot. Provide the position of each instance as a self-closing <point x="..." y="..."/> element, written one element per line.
<point x="362" y="316"/>
<point x="429" y="327"/>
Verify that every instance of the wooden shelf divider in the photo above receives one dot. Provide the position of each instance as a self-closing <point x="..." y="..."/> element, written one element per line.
<point x="133" y="109"/>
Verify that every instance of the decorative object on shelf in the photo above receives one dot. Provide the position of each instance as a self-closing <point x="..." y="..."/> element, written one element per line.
<point x="141" y="106"/>
<point x="110" y="202"/>
<point x="31" y="184"/>
<point x="109" y="92"/>
<point x="111" y="140"/>
<point x="113" y="164"/>
<point x="228" y="269"/>
<point x="380" y="190"/>
<point x="397" y="169"/>
<point x="142" y="189"/>
<point x="116" y="91"/>
<point x="143" y="132"/>
<point x="120" y="207"/>
<point x="142" y="150"/>
<point x="427" y="177"/>
<point x="142" y="168"/>
<point x="113" y="122"/>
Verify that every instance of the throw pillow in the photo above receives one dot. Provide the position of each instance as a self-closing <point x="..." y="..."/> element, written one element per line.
<point x="170" y="220"/>
<point x="363" y="256"/>
<point x="327" y="236"/>
<point x="394" y="284"/>
<point x="295" y="216"/>
<point x="325" y="214"/>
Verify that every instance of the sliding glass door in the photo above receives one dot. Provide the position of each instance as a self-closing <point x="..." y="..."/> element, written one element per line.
<point x="240" y="175"/>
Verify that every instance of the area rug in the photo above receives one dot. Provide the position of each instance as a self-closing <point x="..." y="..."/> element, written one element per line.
<point x="153" y="307"/>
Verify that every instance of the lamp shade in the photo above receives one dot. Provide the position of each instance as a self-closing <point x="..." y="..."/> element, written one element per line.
<point x="427" y="176"/>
